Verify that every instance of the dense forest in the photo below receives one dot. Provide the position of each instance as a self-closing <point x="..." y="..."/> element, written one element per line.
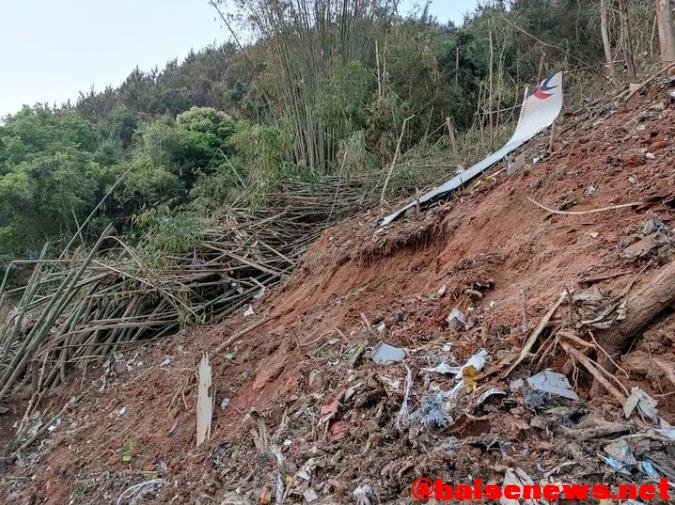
<point x="333" y="87"/>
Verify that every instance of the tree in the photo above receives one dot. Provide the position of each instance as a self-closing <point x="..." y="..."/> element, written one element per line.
<point x="172" y="155"/>
<point x="665" y="22"/>
<point x="604" y="29"/>
<point x="627" y="40"/>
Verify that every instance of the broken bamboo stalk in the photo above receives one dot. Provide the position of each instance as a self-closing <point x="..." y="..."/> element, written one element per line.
<point x="243" y="332"/>
<point x="397" y="153"/>
<point x="453" y="139"/>
<point x="525" y="352"/>
<point x="595" y="371"/>
<point x="205" y="399"/>
<point x="583" y="212"/>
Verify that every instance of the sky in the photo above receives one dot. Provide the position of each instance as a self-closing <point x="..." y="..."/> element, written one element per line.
<point x="50" y="50"/>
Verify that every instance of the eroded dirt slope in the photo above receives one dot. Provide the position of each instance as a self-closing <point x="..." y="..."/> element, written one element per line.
<point x="302" y="380"/>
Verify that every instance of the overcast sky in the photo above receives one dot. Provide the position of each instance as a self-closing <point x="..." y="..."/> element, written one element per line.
<point x="50" y="50"/>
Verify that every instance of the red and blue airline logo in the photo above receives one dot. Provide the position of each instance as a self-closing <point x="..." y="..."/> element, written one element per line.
<point x="542" y="91"/>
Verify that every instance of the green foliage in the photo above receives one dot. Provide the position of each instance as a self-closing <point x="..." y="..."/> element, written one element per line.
<point x="172" y="156"/>
<point x="215" y="124"/>
<point x="354" y="157"/>
<point x="34" y="132"/>
<point x="128" y="452"/>
<point x="43" y="197"/>
<point x="149" y="184"/>
<point x="196" y="142"/>
<point x="53" y="170"/>
<point x="222" y="186"/>
<point x="265" y="149"/>
<point x="120" y="126"/>
<point x="55" y="167"/>
<point x="348" y="91"/>
<point x="166" y="231"/>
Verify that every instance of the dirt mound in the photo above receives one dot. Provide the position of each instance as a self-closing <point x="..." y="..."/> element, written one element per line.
<point x="300" y="405"/>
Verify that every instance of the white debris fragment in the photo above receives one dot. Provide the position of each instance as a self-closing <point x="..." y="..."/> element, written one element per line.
<point x="517" y="477"/>
<point x="443" y="368"/>
<point x="137" y="492"/>
<point x="477" y="361"/>
<point x="205" y="401"/>
<point x="645" y="404"/>
<point x="310" y="495"/>
<point x="552" y="382"/>
<point x="384" y="354"/>
<point x="279" y="489"/>
<point x="403" y="417"/>
<point x="249" y="311"/>
<point x="456" y="319"/>
<point x="668" y="432"/>
<point x="487" y="394"/>
<point x="54" y="425"/>
<point x="620" y="456"/>
<point x="363" y="494"/>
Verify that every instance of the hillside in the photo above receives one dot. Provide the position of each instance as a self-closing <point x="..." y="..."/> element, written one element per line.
<point x="299" y="402"/>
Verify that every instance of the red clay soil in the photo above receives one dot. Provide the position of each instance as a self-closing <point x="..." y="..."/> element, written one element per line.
<point x="489" y="252"/>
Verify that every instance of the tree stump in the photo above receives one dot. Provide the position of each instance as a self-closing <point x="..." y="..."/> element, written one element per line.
<point x="643" y="305"/>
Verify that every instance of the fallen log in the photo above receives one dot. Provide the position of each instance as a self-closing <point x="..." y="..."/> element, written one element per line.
<point x="642" y="306"/>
